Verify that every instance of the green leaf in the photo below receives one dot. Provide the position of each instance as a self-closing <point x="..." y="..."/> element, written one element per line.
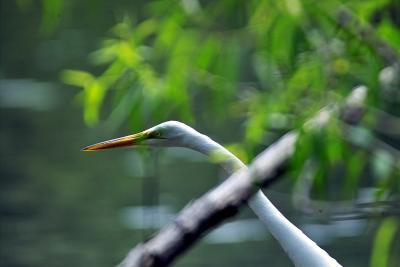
<point x="52" y="10"/>
<point x="283" y="39"/>
<point x="383" y="240"/>
<point x="77" y="78"/>
<point x="390" y="33"/>
<point x="355" y="164"/>
<point x="94" y="95"/>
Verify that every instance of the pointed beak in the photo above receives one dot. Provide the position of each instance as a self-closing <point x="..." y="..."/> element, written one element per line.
<point x="125" y="141"/>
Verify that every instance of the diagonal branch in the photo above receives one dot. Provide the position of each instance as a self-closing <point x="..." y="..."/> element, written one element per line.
<point x="225" y="200"/>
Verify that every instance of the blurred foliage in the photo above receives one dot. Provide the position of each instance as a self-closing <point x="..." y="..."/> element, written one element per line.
<point x="51" y="14"/>
<point x="268" y="65"/>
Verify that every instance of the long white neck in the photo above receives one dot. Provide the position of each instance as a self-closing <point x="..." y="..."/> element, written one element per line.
<point x="301" y="250"/>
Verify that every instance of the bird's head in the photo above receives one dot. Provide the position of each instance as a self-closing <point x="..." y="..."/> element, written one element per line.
<point x="166" y="134"/>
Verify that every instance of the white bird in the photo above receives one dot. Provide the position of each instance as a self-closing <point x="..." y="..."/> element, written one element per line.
<point x="301" y="250"/>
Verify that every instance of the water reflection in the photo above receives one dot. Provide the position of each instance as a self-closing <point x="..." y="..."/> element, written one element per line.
<point x="155" y="217"/>
<point x="27" y="93"/>
<point x="325" y="234"/>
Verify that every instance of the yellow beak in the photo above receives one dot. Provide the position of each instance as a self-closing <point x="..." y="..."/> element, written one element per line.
<point x="125" y="141"/>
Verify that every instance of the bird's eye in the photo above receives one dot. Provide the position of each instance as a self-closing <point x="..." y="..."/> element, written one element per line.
<point x="157" y="134"/>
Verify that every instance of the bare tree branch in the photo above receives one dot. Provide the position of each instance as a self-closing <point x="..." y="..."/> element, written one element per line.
<point x="225" y="200"/>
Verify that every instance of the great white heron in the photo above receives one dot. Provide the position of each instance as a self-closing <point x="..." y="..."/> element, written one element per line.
<point x="301" y="250"/>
